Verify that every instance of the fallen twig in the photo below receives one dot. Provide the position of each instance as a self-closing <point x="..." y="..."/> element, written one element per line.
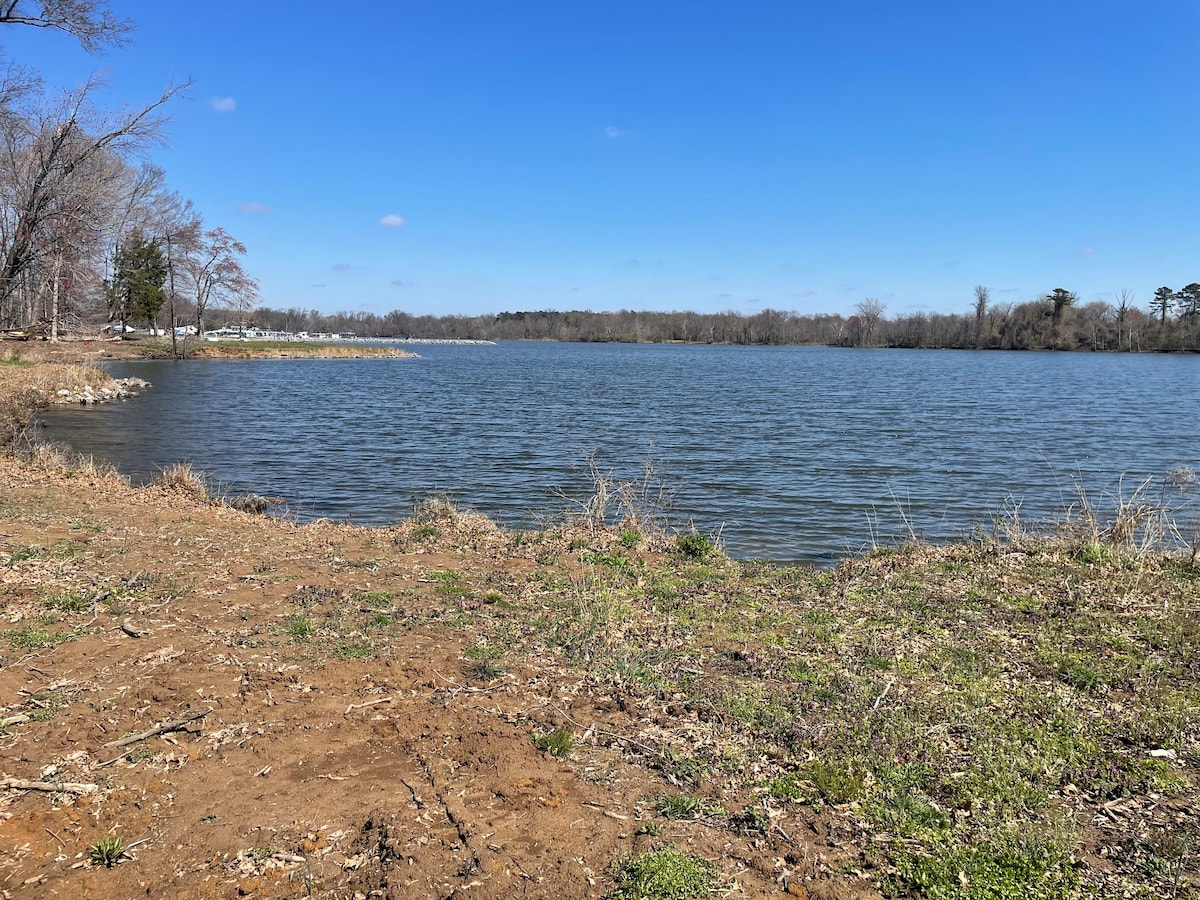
<point x="354" y="706"/>
<point x="114" y="759"/>
<point x="880" y="698"/>
<point x="160" y="728"/>
<point x="61" y="787"/>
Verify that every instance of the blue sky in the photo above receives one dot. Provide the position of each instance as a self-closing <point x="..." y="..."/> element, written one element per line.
<point x="456" y="156"/>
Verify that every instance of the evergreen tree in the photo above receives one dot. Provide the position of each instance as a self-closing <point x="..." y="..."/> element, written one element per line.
<point x="141" y="272"/>
<point x="1187" y="301"/>
<point x="1164" y="300"/>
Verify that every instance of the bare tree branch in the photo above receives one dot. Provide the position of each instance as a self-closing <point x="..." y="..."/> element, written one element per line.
<point x="90" y="22"/>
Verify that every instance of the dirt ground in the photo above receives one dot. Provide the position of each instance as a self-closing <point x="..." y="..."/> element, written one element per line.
<point x="284" y="769"/>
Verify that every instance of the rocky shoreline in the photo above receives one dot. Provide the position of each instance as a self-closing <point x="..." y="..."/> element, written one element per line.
<point x="116" y="389"/>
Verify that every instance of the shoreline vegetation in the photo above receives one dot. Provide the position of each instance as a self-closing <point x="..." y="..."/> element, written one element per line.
<point x="1055" y="321"/>
<point x="202" y="701"/>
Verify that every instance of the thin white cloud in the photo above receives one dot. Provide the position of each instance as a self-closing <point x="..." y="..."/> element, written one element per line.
<point x="612" y="131"/>
<point x="1087" y="251"/>
<point x="224" y="104"/>
<point x="392" y="221"/>
<point x="254" y="208"/>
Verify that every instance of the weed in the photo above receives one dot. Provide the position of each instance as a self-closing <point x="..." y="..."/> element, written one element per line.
<point x="250" y="503"/>
<point x="750" y="820"/>
<point x="836" y="781"/>
<point x="678" y="767"/>
<point x="693" y="546"/>
<point x="434" y="515"/>
<point x="107" y="851"/>
<point x="495" y="598"/>
<point x="299" y="628"/>
<point x="449" y="584"/>
<point x="113" y="604"/>
<point x="637" y="507"/>
<point x="629" y="538"/>
<point x="482" y="651"/>
<point x="48" y="704"/>
<point x="664" y="875"/>
<point x="682" y="806"/>
<point x="85" y="523"/>
<point x="352" y="650"/>
<point x="70" y="601"/>
<point x="375" y="599"/>
<point x="1009" y="866"/>
<point x="58" y="550"/>
<point x="33" y="638"/>
<point x="650" y="828"/>
<point x="559" y="742"/>
<point x="1074" y="671"/>
<point x="486" y="670"/>
<point x="377" y="620"/>
<point x="613" y="561"/>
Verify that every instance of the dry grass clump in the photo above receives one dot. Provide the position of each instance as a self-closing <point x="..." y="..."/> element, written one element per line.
<point x="183" y="479"/>
<point x="1159" y="515"/>
<point x="443" y="519"/>
<point x="63" y="460"/>
<point x="17" y="408"/>
<point x="632" y="514"/>
<point x="1155" y="516"/>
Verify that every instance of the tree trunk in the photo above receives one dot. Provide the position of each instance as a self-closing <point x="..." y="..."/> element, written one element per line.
<point x="54" y="281"/>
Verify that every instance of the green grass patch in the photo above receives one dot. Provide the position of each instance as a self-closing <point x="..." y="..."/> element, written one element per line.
<point x="684" y="806"/>
<point x="298" y="628"/>
<point x="559" y="742"/>
<point x="665" y="875"/>
<point x="32" y="637"/>
<point x="352" y="650"/>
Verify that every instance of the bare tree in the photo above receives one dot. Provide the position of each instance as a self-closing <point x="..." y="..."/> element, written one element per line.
<point x="869" y="313"/>
<point x="216" y="273"/>
<point x="91" y="22"/>
<point x="982" y="297"/>
<point x="44" y="158"/>
<point x="1124" y="299"/>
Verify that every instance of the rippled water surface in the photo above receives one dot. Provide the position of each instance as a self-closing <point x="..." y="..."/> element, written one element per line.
<point x="792" y="453"/>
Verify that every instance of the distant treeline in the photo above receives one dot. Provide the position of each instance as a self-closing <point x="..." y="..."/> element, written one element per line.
<point x="1055" y="321"/>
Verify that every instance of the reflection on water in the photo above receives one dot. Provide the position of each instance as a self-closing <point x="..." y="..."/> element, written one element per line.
<point x="792" y="453"/>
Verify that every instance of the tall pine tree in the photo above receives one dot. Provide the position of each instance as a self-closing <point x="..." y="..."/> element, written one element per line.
<point x="140" y="273"/>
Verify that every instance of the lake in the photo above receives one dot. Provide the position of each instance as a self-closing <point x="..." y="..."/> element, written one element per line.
<point x="797" y="454"/>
